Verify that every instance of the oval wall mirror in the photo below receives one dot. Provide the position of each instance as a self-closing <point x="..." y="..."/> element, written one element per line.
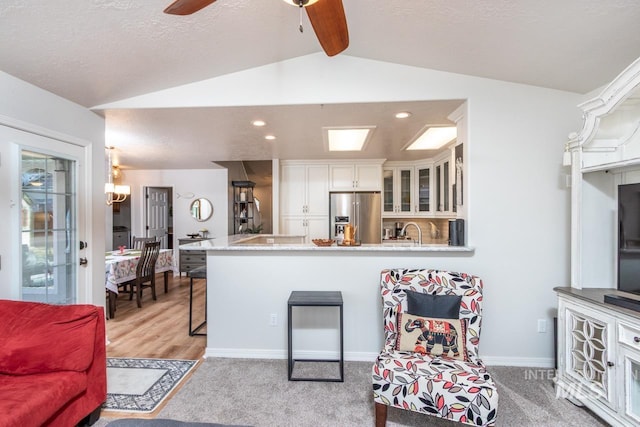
<point x="201" y="209"/>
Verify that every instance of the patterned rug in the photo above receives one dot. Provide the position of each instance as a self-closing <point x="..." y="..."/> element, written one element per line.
<point x="140" y="385"/>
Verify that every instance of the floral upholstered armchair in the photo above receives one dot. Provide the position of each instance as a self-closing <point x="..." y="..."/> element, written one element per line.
<point x="429" y="363"/>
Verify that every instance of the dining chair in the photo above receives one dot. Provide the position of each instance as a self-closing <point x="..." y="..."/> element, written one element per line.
<point x="138" y="242"/>
<point x="145" y="272"/>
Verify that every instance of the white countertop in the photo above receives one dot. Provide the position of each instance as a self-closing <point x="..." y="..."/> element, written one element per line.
<point x="241" y="242"/>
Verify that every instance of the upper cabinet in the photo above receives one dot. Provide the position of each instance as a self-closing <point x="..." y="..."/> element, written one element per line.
<point x="304" y="199"/>
<point x="397" y="189"/>
<point x="304" y="189"/>
<point x="365" y="176"/>
<point x="443" y="185"/>
<point x="422" y="194"/>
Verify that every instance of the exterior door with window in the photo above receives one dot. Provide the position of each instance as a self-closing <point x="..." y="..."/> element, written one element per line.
<point x="44" y="221"/>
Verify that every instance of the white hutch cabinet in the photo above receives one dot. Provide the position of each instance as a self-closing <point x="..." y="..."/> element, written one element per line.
<point x="598" y="342"/>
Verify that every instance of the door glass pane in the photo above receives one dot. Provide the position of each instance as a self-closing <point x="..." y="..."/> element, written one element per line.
<point x="405" y="191"/>
<point x="439" y="188"/>
<point x="423" y="190"/>
<point x="48" y="228"/>
<point x="387" y="185"/>
<point x="445" y="185"/>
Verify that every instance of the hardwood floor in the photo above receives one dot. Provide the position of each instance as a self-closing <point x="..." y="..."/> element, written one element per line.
<point x="160" y="329"/>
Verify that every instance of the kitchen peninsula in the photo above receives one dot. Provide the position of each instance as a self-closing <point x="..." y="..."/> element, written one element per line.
<point x="250" y="278"/>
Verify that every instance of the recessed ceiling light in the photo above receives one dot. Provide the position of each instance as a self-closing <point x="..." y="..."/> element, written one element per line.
<point x="432" y="138"/>
<point x="347" y="138"/>
<point x="270" y="137"/>
<point x="258" y="123"/>
<point x="403" y="115"/>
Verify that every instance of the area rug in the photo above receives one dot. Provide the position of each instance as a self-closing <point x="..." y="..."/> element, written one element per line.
<point x="140" y="385"/>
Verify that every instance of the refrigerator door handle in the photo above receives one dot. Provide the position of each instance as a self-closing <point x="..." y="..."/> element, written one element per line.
<point x="356" y="220"/>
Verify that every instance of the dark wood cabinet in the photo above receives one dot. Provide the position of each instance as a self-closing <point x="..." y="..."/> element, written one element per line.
<point x="191" y="259"/>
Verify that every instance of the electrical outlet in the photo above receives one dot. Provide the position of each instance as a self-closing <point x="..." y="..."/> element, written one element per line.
<point x="273" y="321"/>
<point x="542" y="326"/>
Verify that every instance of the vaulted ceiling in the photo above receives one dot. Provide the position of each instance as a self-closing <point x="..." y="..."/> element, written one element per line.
<point x="95" y="52"/>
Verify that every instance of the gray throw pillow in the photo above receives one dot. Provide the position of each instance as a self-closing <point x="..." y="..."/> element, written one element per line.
<point x="437" y="306"/>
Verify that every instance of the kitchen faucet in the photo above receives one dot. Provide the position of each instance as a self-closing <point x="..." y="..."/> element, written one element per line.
<point x="416" y="226"/>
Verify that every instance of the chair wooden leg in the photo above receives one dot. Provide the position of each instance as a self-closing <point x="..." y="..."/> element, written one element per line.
<point x="153" y="287"/>
<point x="139" y="294"/>
<point x="381" y="414"/>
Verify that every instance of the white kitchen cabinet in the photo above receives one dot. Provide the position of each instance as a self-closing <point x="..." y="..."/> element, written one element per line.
<point x="443" y="185"/>
<point x="397" y="189"/>
<point x="304" y="199"/>
<point x="314" y="227"/>
<point x="304" y="189"/>
<point x="355" y="176"/>
<point x="422" y="193"/>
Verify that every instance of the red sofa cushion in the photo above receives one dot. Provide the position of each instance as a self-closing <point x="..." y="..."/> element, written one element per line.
<point x="31" y="333"/>
<point x="33" y="399"/>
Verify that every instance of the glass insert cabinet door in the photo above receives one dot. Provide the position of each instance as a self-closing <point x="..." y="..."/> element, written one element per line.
<point x="631" y="379"/>
<point x="48" y="228"/>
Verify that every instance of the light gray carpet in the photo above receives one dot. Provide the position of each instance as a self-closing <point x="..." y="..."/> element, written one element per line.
<point x="257" y="393"/>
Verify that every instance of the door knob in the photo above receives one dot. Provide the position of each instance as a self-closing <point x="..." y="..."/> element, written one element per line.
<point x="83" y="245"/>
<point x="83" y="261"/>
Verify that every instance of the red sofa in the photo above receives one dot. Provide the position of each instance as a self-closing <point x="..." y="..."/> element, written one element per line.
<point x="53" y="368"/>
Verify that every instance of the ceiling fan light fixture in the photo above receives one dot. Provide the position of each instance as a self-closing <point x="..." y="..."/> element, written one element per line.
<point x="305" y="3"/>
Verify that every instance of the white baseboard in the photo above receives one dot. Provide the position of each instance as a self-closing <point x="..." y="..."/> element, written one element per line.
<point x="529" y="362"/>
<point x="354" y="356"/>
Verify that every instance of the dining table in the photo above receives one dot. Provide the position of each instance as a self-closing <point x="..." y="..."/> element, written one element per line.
<point x="120" y="267"/>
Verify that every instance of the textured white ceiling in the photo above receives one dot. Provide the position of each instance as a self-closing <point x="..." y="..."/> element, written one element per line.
<point x="99" y="51"/>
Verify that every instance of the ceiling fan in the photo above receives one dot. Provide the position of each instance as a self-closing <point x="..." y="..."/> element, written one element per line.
<point x="327" y="19"/>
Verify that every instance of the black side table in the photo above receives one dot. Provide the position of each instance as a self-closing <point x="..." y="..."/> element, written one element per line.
<point x="315" y="299"/>
<point x="197" y="273"/>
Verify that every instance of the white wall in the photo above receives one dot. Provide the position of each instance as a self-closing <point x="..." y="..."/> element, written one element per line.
<point x="518" y="206"/>
<point x="208" y="183"/>
<point x="355" y="273"/>
<point x="31" y="109"/>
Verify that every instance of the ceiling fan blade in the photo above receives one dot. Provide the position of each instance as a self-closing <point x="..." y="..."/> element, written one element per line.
<point x="186" y="7"/>
<point x="330" y="25"/>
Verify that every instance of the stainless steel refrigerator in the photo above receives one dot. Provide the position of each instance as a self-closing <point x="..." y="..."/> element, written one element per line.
<point x="361" y="209"/>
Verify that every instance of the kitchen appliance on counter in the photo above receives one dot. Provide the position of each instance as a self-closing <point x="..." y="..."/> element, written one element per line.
<point x="399" y="227"/>
<point x="387" y="234"/>
<point x="456" y="232"/>
<point x="360" y="210"/>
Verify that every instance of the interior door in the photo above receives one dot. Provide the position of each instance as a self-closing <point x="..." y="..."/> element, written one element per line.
<point x="44" y="220"/>
<point x="157" y="208"/>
